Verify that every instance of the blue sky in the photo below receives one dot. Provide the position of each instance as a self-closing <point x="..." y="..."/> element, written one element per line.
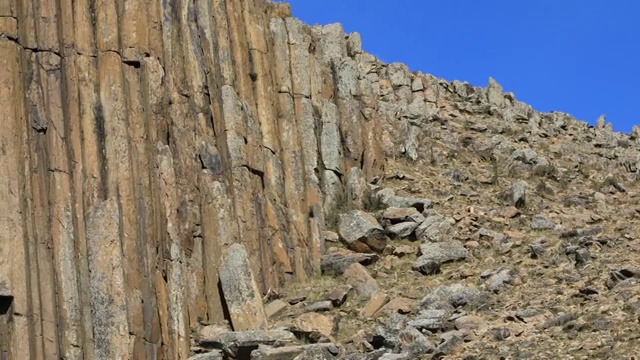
<point x="577" y="56"/>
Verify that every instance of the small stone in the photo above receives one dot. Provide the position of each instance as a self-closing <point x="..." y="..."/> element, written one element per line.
<point x="275" y="307"/>
<point x="339" y="295"/>
<point x="359" y="278"/>
<point x="378" y="300"/>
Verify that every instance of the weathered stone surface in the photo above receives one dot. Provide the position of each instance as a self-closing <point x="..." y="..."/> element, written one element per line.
<point x="140" y="140"/>
<point x="361" y="232"/>
<point x="241" y="292"/>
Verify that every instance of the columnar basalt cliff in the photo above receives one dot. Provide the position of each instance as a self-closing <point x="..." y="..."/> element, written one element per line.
<point x="140" y="139"/>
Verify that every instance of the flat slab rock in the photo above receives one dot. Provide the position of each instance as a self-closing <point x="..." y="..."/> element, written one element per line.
<point x="361" y="232"/>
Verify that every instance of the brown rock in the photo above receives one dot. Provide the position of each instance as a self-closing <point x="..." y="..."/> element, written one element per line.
<point x="359" y="278"/>
<point x="378" y="300"/>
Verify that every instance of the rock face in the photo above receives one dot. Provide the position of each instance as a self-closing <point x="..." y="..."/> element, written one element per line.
<point x="147" y="146"/>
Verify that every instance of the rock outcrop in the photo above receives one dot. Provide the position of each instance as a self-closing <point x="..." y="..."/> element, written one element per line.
<point x="141" y="141"/>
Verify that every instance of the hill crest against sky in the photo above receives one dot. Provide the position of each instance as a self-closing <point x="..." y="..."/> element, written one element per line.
<point x="578" y="57"/>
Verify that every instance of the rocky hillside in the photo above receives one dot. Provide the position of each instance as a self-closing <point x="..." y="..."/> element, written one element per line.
<point x="216" y="177"/>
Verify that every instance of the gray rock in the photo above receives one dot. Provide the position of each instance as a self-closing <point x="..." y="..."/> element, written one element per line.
<point x="540" y="222"/>
<point x="519" y="194"/>
<point x="335" y="263"/>
<point x="402" y="230"/>
<point x="450" y="297"/>
<point x="235" y="342"/>
<point x="361" y="232"/>
<point x="240" y="291"/>
<point x="439" y="253"/>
